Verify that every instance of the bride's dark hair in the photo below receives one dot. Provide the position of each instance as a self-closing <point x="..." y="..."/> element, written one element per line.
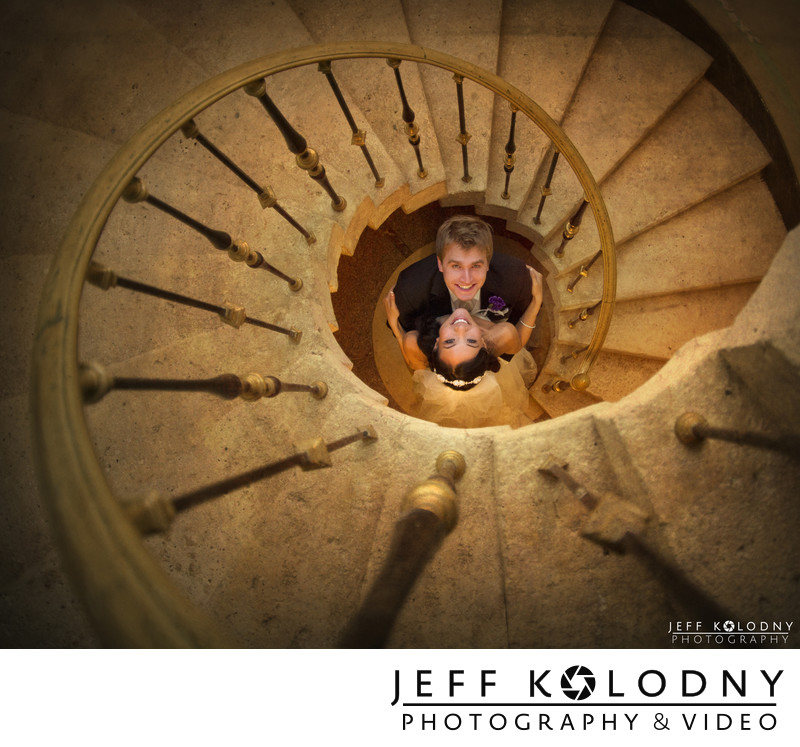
<point x="466" y="371"/>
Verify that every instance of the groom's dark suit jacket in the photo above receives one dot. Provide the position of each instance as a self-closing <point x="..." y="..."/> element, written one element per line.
<point x="420" y="289"/>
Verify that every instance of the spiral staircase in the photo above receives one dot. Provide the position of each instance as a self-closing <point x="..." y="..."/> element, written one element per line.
<point x="285" y="562"/>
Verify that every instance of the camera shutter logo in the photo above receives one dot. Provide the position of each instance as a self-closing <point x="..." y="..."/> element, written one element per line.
<point x="578" y="682"/>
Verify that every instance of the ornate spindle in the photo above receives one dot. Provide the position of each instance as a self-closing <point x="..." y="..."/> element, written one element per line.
<point x="307" y="159"/>
<point x="238" y="251"/>
<point x="574" y="354"/>
<point x="266" y="196"/>
<point x="257" y="386"/>
<point x="546" y="191"/>
<point x="691" y="428"/>
<point x="96" y="381"/>
<point x="622" y="526"/>
<point x="408" y="117"/>
<point x="137" y="192"/>
<point x="154" y="512"/>
<point x="235" y="316"/>
<point x="584" y="271"/>
<point x="241" y="252"/>
<point x="583" y="316"/>
<point x="463" y="135"/>
<point x="431" y="512"/>
<point x="572" y="228"/>
<point x="359" y="136"/>
<point x="511" y="149"/>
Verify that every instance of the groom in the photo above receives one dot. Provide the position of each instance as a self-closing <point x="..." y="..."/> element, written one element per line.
<point x="464" y="273"/>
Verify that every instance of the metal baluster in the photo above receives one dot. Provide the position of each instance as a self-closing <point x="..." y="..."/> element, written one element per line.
<point x="359" y="136"/>
<point x="238" y="251"/>
<point x="546" y="191"/>
<point x="511" y="149"/>
<point x="266" y="196"/>
<point x="96" y="381"/>
<point x="584" y="271"/>
<point x="692" y="428"/>
<point x="583" y="316"/>
<point x="137" y="192"/>
<point x="307" y="159"/>
<point x="574" y="354"/>
<point x="155" y="511"/>
<point x="241" y="252"/>
<point x="431" y="513"/>
<point x="463" y="135"/>
<point x="572" y="228"/>
<point x="618" y="524"/>
<point x="408" y="117"/>
<point x="235" y="316"/>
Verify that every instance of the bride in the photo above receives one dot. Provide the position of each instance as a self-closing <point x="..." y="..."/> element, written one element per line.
<point x="458" y="375"/>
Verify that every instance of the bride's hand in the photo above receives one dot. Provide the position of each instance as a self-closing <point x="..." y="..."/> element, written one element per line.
<point x="536" y="283"/>
<point x="392" y="312"/>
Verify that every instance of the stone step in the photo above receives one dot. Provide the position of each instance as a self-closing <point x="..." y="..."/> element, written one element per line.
<point x="701" y="148"/>
<point x="57" y="52"/>
<point x="728" y="239"/>
<point x="614" y="376"/>
<point x="656" y="327"/>
<point x="639" y="69"/>
<point x="470" y="32"/>
<point x="556" y="404"/>
<point x="699" y="513"/>
<point x="543" y="553"/>
<point x="370" y="85"/>
<point x="544" y="49"/>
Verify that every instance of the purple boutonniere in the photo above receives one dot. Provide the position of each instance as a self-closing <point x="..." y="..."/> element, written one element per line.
<point x="497" y="309"/>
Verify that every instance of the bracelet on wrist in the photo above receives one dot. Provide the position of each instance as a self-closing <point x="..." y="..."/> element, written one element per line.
<point x="529" y="326"/>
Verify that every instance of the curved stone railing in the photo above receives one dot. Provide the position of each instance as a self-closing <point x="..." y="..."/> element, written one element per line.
<point x="129" y="597"/>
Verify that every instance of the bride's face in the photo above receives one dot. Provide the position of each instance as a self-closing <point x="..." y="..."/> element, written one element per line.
<point x="459" y="339"/>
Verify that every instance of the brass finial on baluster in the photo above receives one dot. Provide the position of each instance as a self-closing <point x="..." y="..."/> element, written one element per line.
<point x="572" y="228"/>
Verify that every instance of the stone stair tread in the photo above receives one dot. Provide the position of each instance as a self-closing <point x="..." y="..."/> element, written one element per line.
<point x="543" y="550"/>
<point x="700" y="148"/>
<point x="471" y="32"/>
<point x="730" y="238"/>
<point x="544" y="49"/>
<point x="613" y="376"/>
<point x="556" y="404"/>
<point x="142" y="72"/>
<point x="202" y="31"/>
<point x="30" y="148"/>
<point x="693" y="489"/>
<point x="638" y="70"/>
<point x="658" y="326"/>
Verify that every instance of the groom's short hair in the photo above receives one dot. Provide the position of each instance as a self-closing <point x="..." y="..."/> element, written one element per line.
<point x="467" y="231"/>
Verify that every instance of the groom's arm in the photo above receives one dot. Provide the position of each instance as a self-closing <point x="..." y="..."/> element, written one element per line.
<point x="512" y="278"/>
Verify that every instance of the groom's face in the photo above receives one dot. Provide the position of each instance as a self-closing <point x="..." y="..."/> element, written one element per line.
<point x="464" y="270"/>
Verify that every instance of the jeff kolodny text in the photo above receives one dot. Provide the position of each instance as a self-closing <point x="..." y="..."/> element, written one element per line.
<point x="579" y="698"/>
